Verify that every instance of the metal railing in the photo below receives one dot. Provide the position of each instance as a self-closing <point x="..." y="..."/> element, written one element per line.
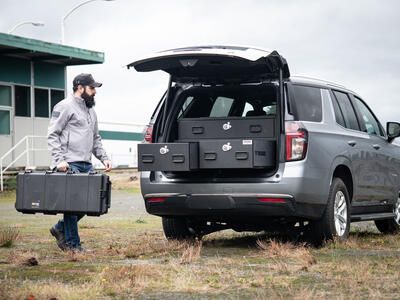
<point x="26" y="141"/>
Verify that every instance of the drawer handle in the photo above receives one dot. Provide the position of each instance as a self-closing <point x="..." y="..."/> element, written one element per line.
<point x="178" y="158"/>
<point x="255" y="128"/>
<point x="147" y="158"/>
<point x="197" y="130"/>
<point x="240" y="155"/>
<point x="210" y="156"/>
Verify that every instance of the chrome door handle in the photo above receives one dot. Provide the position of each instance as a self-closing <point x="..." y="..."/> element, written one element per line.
<point x="376" y="146"/>
<point x="352" y="143"/>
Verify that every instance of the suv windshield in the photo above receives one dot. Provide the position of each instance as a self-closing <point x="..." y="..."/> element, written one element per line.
<point x="222" y="102"/>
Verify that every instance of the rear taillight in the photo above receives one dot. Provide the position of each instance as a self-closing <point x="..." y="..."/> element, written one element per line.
<point x="148" y="134"/>
<point x="296" y="141"/>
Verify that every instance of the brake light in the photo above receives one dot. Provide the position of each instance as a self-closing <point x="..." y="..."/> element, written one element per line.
<point x="272" y="200"/>
<point x="296" y="141"/>
<point x="156" y="199"/>
<point x="148" y="134"/>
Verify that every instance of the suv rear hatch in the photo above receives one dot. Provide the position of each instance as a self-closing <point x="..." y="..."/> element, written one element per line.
<point x="221" y="116"/>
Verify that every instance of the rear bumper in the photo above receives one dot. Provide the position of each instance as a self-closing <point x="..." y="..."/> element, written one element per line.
<point x="230" y="206"/>
<point x="305" y="191"/>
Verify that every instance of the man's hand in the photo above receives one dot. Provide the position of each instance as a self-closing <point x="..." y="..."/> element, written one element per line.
<point x="63" y="166"/>
<point x="107" y="164"/>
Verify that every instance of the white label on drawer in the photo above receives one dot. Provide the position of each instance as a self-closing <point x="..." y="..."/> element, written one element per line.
<point x="247" y="142"/>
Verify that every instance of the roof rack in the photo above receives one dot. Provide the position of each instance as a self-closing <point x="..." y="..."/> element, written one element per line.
<point x="320" y="80"/>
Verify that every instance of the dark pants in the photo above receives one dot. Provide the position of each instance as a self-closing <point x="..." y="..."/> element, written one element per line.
<point x="69" y="225"/>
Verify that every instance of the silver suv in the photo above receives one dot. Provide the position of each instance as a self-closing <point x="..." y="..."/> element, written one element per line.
<point x="236" y="142"/>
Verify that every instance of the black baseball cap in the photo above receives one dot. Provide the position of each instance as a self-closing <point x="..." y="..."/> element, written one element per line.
<point x="85" y="79"/>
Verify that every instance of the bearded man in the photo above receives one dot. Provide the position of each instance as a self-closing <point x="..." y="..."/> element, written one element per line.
<point x="73" y="136"/>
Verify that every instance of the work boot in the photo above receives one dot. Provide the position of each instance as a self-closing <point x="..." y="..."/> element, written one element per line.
<point x="59" y="236"/>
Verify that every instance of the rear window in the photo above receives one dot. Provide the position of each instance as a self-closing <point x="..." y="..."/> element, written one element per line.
<point x="307" y="104"/>
<point x="222" y="102"/>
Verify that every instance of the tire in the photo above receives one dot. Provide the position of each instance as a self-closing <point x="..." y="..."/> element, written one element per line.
<point x="335" y="223"/>
<point x="390" y="226"/>
<point x="176" y="229"/>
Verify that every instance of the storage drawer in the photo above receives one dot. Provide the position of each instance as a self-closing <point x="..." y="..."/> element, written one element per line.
<point x="225" y="128"/>
<point x="168" y="157"/>
<point x="236" y="154"/>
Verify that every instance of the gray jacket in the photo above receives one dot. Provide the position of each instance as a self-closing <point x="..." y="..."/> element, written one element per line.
<point x="73" y="133"/>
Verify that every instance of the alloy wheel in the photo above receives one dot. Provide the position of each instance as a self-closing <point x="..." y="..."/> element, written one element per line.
<point x="340" y="213"/>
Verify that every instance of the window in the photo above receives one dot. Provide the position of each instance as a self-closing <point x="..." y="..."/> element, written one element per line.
<point x="41" y="103"/>
<point x="22" y="101"/>
<point x="5" y="95"/>
<point x="221" y="107"/>
<point x="349" y="115"/>
<point x="5" y="122"/>
<point x="338" y="113"/>
<point x="56" y="96"/>
<point x="228" y="101"/>
<point x="371" y="123"/>
<point x="308" y="103"/>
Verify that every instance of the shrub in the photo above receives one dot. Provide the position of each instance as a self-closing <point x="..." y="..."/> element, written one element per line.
<point x="8" y="235"/>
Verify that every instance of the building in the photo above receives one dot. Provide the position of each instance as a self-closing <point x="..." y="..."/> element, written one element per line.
<point x="32" y="82"/>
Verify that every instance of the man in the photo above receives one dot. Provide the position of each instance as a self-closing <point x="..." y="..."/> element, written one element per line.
<point x="73" y="137"/>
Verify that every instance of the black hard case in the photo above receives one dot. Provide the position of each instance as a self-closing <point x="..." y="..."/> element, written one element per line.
<point x="56" y="192"/>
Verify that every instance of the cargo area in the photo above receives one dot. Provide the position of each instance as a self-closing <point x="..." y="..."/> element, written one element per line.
<point x="212" y="132"/>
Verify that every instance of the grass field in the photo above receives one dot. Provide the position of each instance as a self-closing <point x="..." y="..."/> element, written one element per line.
<point x="130" y="258"/>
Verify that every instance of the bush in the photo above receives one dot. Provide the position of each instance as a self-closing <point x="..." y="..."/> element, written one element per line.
<point x="8" y="235"/>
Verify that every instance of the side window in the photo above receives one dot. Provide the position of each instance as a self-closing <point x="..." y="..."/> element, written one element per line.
<point x="5" y="110"/>
<point x="338" y="113"/>
<point x="22" y="101"/>
<point x="247" y="107"/>
<point x="185" y="106"/>
<point x="308" y="103"/>
<point x="349" y="115"/>
<point x="42" y="103"/>
<point x="221" y="107"/>
<point x="371" y="123"/>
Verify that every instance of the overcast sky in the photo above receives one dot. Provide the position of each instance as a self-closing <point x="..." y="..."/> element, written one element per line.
<point x="354" y="43"/>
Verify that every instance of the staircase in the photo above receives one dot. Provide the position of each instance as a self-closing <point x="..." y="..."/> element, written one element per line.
<point x="27" y="144"/>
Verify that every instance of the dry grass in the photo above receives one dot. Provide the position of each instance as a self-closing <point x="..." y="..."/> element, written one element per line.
<point x="23" y="258"/>
<point x="8" y="236"/>
<point x="129" y="279"/>
<point x="132" y="259"/>
<point x="153" y="245"/>
<point x="287" y="252"/>
<point x="49" y="289"/>
<point x="191" y="252"/>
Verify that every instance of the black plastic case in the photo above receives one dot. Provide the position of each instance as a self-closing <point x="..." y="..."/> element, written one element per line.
<point x="56" y="192"/>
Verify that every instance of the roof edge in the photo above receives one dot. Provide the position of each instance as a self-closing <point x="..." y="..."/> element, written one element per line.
<point x="35" y="45"/>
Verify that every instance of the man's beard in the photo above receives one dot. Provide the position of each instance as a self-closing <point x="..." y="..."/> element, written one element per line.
<point x="89" y="100"/>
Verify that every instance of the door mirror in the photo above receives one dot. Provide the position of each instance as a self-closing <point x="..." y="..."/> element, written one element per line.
<point x="393" y="130"/>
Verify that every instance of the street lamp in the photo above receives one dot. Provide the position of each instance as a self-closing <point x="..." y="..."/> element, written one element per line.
<point x="70" y="12"/>
<point x="24" y="23"/>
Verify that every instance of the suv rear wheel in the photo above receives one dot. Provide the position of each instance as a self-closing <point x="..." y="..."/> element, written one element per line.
<point x="176" y="228"/>
<point x="335" y="223"/>
<point x="390" y="226"/>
